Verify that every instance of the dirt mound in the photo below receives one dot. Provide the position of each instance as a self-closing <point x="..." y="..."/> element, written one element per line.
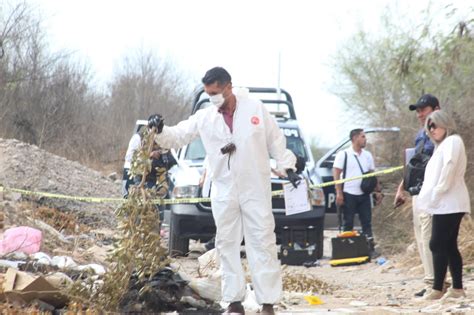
<point x="28" y="167"/>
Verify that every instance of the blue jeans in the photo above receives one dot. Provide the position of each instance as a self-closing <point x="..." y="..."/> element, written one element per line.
<point x="361" y="205"/>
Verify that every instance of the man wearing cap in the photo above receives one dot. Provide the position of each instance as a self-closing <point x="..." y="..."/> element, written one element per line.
<point x="422" y="221"/>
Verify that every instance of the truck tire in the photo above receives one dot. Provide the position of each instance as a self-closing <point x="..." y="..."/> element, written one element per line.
<point x="320" y="242"/>
<point x="177" y="246"/>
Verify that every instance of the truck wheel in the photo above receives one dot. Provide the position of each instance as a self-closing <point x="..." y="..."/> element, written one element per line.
<point x="320" y="242"/>
<point x="177" y="246"/>
<point x="319" y="227"/>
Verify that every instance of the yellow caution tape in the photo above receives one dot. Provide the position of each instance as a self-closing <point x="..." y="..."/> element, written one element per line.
<point x="340" y="181"/>
<point x="182" y="200"/>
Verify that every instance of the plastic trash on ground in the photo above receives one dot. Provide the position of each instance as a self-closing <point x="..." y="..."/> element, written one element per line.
<point x="208" y="288"/>
<point x="209" y="262"/>
<point x="96" y="268"/>
<point x="250" y="302"/>
<point x="313" y="300"/>
<point x="63" y="262"/>
<point x="21" y="239"/>
<point x="41" y="258"/>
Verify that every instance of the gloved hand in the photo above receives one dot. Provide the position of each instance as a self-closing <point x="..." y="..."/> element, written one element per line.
<point x="293" y="177"/>
<point x="156" y="121"/>
<point x="300" y="164"/>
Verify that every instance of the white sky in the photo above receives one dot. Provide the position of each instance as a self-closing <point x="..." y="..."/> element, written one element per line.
<point x="243" y="36"/>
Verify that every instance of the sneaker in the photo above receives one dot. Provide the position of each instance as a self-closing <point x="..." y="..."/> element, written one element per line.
<point x="454" y="294"/>
<point x="433" y="295"/>
<point x="235" y="308"/>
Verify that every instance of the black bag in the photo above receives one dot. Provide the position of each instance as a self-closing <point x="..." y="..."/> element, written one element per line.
<point x="368" y="183"/>
<point x="414" y="172"/>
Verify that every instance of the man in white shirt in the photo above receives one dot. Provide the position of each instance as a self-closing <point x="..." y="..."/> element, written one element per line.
<point x="353" y="162"/>
<point x="133" y="145"/>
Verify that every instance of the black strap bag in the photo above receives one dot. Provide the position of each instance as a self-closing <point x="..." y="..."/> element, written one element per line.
<point x="368" y="184"/>
<point x="414" y="172"/>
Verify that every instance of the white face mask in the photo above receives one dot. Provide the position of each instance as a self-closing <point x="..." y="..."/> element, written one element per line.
<point x="217" y="100"/>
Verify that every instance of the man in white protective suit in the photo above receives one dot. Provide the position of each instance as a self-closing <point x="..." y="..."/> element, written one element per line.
<point x="239" y="136"/>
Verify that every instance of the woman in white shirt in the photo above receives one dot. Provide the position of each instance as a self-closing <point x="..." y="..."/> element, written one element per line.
<point x="444" y="195"/>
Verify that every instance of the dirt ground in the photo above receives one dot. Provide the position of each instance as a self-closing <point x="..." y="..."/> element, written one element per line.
<point x="369" y="288"/>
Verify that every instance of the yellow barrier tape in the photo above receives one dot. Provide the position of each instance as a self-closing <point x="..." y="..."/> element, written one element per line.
<point x="340" y="181"/>
<point x="184" y="200"/>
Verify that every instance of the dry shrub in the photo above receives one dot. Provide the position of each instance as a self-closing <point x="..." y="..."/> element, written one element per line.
<point x="304" y="282"/>
<point x="60" y="220"/>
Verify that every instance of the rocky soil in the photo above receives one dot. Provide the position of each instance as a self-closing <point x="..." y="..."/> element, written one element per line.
<point x="25" y="166"/>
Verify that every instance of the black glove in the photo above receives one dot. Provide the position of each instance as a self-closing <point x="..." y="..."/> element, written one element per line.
<point x="293" y="177"/>
<point x="156" y="121"/>
<point x="300" y="164"/>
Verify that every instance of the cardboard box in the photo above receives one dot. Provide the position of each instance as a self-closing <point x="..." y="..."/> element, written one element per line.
<point x="23" y="287"/>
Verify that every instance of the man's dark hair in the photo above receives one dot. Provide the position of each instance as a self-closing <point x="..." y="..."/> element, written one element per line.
<point x="216" y="74"/>
<point x="355" y="132"/>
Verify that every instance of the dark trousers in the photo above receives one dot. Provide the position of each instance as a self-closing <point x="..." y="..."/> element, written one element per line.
<point x="361" y="205"/>
<point x="444" y="247"/>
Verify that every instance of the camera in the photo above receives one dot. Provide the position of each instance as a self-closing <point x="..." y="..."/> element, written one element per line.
<point x="415" y="190"/>
<point x="228" y="148"/>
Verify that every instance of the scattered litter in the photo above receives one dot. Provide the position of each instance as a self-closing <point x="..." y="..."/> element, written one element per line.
<point x="97" y="269"/>
<point x="10" y="263"/>
<point x="313" y="300"/>
<point x="208" y="288"/>
<point x="380" y="261"/>
<point x="63" y="262"/>
<point x="250" y="303"/>
<point x="24" y="288"/>
<point x="41" y="258"/>
<point x="21" y="239"/>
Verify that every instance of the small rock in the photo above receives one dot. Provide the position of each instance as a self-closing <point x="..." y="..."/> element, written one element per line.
<point x="112" y="176"/>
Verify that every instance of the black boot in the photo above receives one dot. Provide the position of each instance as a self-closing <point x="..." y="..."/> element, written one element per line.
<point x="235" y="308"/>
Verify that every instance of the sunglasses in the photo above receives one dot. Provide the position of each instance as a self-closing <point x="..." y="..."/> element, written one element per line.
<point x="431" y="126"/>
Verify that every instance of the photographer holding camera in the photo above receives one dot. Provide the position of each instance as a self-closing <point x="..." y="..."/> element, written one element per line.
<point x="239" y="136"/>
<point x="421" y="221"/>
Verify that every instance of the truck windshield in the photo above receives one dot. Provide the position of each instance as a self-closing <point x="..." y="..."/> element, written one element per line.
<point x="195" y="150"/>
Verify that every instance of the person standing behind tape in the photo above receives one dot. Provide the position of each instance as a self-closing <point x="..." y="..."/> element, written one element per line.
<point x="421" y="220"/>
<point x="349" y="196"/>
<point x="239" y="136"/>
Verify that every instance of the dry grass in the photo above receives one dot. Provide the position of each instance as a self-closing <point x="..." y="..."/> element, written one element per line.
<point x="300" y="281"/>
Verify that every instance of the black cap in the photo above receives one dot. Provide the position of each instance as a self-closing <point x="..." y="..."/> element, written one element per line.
<point x="425" y="100"/>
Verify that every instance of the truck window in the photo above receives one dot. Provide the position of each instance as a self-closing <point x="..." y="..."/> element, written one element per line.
<point x="297" y="146"/>
<point x="195" y="150"/>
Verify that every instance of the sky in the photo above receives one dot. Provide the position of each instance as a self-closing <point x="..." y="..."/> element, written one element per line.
<point x="251" y="39"/>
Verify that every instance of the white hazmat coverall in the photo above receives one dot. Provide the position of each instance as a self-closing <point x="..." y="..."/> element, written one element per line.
<point x="241" y="191"/>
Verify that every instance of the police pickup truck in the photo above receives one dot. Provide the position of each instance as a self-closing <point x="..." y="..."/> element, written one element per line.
<point x="195" y="221"/>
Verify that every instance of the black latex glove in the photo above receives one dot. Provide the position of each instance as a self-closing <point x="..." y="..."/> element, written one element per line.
<point x="293" y="177"/>
<point x="156" y="121"/>
<point x="300" y="164"/>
